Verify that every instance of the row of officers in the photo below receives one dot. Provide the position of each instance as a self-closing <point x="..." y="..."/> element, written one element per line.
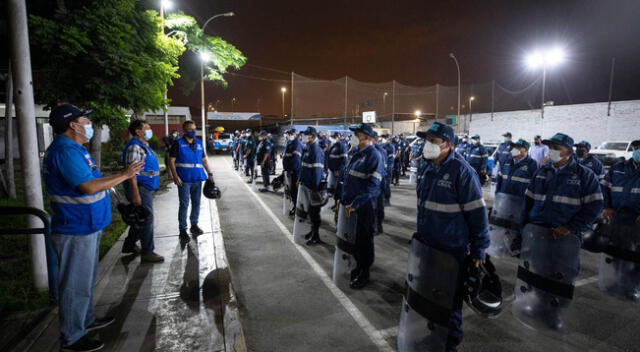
<point x="543" y="214"/>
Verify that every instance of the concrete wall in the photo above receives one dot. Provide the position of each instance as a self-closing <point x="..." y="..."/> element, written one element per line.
<point x="581" y="121"/>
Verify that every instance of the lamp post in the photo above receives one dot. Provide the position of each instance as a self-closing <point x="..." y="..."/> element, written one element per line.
<point x="233" y="101"/>
<point x="545" y="60"/>
<point x="471" y="99"/>
<point x="417" y="113"/>
<point x="283" y="90"/>
<point x="168" y="5"/>
<point x="384" y="102"/>
<point x="453" y="57"/>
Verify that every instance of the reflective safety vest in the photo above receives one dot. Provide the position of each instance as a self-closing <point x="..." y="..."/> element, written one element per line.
<point x="149" y="176"/>
<point x="74" y="212"/>
<point x="621" y="187"/>
<point x="189" y="161"/>
<point x="514" y="178"/>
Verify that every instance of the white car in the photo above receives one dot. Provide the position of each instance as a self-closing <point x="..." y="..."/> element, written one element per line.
<point x="611" y="152"/>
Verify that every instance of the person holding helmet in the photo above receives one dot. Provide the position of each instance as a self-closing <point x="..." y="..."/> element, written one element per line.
<point x="81" y="210"/>
<point x="141" y="189"/>
<point x="452" y="228"/>
<point x="585" y="159"/>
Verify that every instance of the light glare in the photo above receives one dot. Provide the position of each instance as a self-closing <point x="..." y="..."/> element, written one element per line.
<point x="167" y="4"/>
<point x="205" y="57"/>
<point x="545" y="59"/>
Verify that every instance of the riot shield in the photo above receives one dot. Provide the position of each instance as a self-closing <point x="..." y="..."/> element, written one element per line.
<point x="432" y="285"/>
<point x="344" y="261"/>
<point x="301" y="224"/>
<point x="413" y="172"/>
<point x="504" y="224"/>
<point x="332" y="182"/>
<point x="619" y="269"/>
<point x="544" y="284"/>
<point x="286" y="195"/>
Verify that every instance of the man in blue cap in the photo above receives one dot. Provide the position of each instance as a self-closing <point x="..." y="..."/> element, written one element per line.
<point x="452" y="215"/>
<point x="263" y="153"/>
<point x="81" y="210"/>
<point x="292" y="164"/>
<point x="311" y="176"/>
<point x="337" y="161"/>
<point x="478" y="157"/>
<point x="250" y="156"/>
<point x="503" y="152"/>
<point x="462" y="146"/>
<point x="585" y="159"/>
<point x="380" y="200"/>
<point x="361" y="186"/>
<point x="390" y="155"/>
<point x="515" y="174"/>
<point x="141" y="189"/>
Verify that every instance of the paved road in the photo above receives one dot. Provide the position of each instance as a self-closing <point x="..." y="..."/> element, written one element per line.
<point x="287" y="304"/>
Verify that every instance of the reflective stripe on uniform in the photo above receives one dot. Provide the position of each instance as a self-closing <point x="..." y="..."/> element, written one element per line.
<point x="520" y="179"/>
<point x="338" y="156"/>
<point x="78" y="200"/>
<point x="617" y="189"/>
<point x="442" y="207"/>
<point x="541" y="177"/>
<point x="478" y="203"/>
<point x="288" y="154"/>
<point x="320" y="165"/>
<point x="605" y="183"/>
<point x="635" y="190"/>
<point x="198" y="166"/>
<point x="297" y="153"/>
<point x="592" y="198"/>
<point x="566" y="200"/>
<point x="479" y="156"/>
<point x="148" y="173"/>
<point x="364" y="176"/>
<point x="534" y="196"/>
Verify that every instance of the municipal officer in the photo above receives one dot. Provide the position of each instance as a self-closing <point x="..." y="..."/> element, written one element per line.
<point x="403" y="149"/>
<point x="390" y="154"/>
<point x="263" y="154"/>
<point x="416" y="158"/>
<point x="397" y="160"/>
<point x="503" y="152"/>
<point x="311" y="176"/>
<point x="250" y="156"/>
<point x="452" y="216"/>
<point x="361" y="187"/>
<point x="585" y="159"/>
<point x="621" y="190"/>
<point x="81" y="210"/>
<point x="234" y="147"/>
<point x="380" y="200"/>
<point x="188" y="162"/>
<point x="337" y="161"/>
<point x="242" y="144"/>
<point x="478" y="158"/>
<point x="272" y="154"/>
<point x="463" y="146"/>
<point x="563" y="200"/>
<point x="140" y="190"/>
<point x="292" y="164"/>
<point x="515" y="173"/>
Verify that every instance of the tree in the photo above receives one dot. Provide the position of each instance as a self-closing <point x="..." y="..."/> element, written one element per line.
<point x="223" y="54"/>
<point x="107" y="55"/>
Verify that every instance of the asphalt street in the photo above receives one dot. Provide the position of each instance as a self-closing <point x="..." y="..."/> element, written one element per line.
<point x="287" y="304"/>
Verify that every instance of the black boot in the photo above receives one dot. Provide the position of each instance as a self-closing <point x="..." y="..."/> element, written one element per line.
<point x="361" y="280"/>
<point x="315" y="237"/>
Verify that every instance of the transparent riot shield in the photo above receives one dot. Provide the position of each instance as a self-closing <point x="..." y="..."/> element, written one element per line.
<point x="544" y="284"/>
<point x="344" y="261"/>
<point x="332" y="182"/>
<point x="504" y="224"/>
<point x="432" y="285"/>
<point x="301" y="224"/>
<point x="413" y="172"/>
<point x="619" y="269"/>
<point x="286" y="194"/>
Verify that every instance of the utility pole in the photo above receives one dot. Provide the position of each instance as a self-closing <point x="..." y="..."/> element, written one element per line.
<point x="8" y="136"/>
<point x="613" y="67"/>
<point x="25" y="114"/>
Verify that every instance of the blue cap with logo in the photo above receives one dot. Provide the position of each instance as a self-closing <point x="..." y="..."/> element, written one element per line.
<point x="560" y="139"/>
<point x="521" y="143"/>
<point x="291" y="131"/>
<point x="439" y="130"/>
<point x="584" y="144"/>
<point x="363" y="128"/>
<point x="310" y="131"/>
<point x="64" y="113"/>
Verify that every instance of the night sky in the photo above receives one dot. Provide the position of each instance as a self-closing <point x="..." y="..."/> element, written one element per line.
<point x="409" y="41"/>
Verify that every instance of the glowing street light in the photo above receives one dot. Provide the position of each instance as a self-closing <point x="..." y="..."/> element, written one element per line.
<point x="283" y="90"/>
<point x="545" y="60"/>
<point x="471" y="100"/>
<point x="166" y="4"/>
<point x="418" y="113"/>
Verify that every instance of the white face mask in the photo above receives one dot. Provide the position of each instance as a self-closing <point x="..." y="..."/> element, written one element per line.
<point x="383" y="140"/>
<point x="306" y="138"/>
<point x="354" y="140"/>
<point x="554" y="155"/>
<point x="515" y="152"/>
<point x="430" y="150"/>
<point x="475" y="141"/>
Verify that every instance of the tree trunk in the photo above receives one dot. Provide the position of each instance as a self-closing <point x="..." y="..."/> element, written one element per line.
<point x="8" y="137"/>
<point x="95" y="144"/>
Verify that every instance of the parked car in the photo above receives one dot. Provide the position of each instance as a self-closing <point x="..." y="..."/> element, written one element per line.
<point x="222" y="144"/>
<point x="612" y="152"/>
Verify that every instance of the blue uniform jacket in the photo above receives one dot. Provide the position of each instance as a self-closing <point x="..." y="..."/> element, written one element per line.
<point x="621" y="187"/>
<point x="243" y="145"/>
<point x="361" y="178"/>
<point x="251" y="144"/>
<point x="462" y="149"/>
<point x="312" y="166"/>
<point x="383" y="155"/>
<point x="338" y="156"/>
<point x="452" y="214"/>
<point x="477" y="156"/>
<point x="416" y="148"/>
<point x="514" y="178"/>
<point x="390" y="154"/>
<point x="264" y="147"/>
<point x="503" y="153"/>
<point x="569" y="197"/>
<point x="594" y="164"/>
<point x="291" y="161"/>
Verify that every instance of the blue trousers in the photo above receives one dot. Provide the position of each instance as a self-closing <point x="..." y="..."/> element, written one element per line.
<point x="78" y="258"/>
<point x="189" y="191"/>
<point x="143" y="233"/>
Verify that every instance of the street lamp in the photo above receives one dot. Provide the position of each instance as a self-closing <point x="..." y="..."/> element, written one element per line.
<point x="545" y="59"/>
<point x="418" y="113"/>
<point x="204" y="58"/>
<point x="283" y="90"/>
<point x="384" y="102"/>
<point x="453" y="57"/>
<point x="233" y="101"/>
<point x="471" y="99"/>
<point x="165" y="5"/>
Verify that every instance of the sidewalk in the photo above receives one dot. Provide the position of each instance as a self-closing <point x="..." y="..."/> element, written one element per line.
<point x="184" y="304"/>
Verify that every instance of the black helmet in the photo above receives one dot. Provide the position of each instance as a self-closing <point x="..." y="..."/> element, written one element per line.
<point x="211" y="191"/>
<point x="132" y="215"/>
<point x="593" y="239"/>
<point x="277" y="182"/>
<point x="482" y="289"/>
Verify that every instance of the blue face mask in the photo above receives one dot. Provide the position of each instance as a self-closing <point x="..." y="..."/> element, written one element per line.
<point x="636" y="155"/>
<point x="88" y="131"/>
<point x="191" y="134"/>
<point x="148" y="134"/>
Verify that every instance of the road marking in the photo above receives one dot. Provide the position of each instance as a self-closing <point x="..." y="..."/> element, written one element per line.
<point x="389" y="332"/>
<point x="375" y="335"/>
<point x="586" y="281"/>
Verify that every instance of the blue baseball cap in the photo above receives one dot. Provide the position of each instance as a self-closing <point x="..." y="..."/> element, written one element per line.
<point x="291" y="131"/>
<point x="439" y="130"/>
<point x="475" y="136"/>
<point x="64" y="113"/>
<point x="363" y="128"/>
<point x="335" y="134"/>
<point x="264" y="133"/>
<point x="559" y="139"/>
<point x="310" y="131"/>
<point x="584" y="144"/>
<point x="521" y="143"/>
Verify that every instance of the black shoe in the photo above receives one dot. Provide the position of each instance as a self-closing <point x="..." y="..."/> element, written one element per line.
<point x="313" y="241"/>
<point x="101" y="323"/>
<point x="195" y="230"/>
<point x="184" y="236"/>
<point x="387" y="202"/>
<point x="380" y="230"/>
<point x="126" y="249"/>
<point x="292" y="212"/>
<point x="360" y="281"/>
<point x="85" y="344"/>
<point x="263" y="189"/>
<point x="354" y="273"/>
<point x="308" y="236"/>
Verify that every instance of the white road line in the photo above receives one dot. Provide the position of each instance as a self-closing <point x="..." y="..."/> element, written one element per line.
<point x="389" y="332"/>
<point x="375" y="335"/>
<point x="586" y="281"/>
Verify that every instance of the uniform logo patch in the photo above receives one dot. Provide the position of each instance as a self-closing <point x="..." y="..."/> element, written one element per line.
<point x="574" y="180"/>
<point x="445" y="182"/>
